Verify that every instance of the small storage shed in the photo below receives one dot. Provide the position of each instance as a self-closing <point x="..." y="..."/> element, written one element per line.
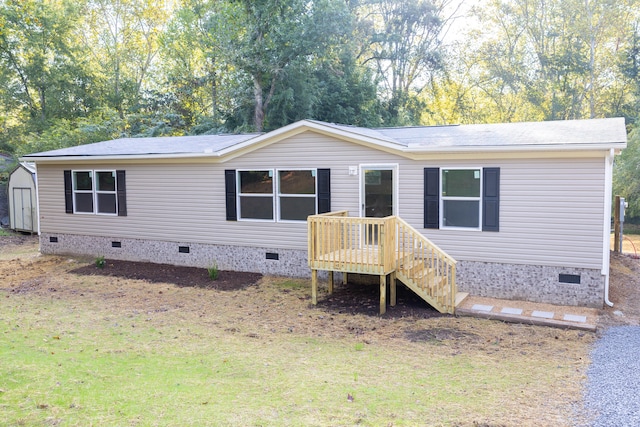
<point x="22" y="198"/>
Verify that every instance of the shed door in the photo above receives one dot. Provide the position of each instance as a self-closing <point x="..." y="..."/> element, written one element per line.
<point x="22" y="209"/>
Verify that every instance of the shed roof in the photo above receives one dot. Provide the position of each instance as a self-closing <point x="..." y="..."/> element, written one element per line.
<point x="551" y="135"/>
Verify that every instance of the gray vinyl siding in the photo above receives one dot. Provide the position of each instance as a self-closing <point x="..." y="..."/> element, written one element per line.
<point x="550" y="210"/>
<point x="550" y="214"/>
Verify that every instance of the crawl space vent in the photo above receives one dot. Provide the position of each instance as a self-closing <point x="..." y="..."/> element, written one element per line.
<point x="569" y="278"/>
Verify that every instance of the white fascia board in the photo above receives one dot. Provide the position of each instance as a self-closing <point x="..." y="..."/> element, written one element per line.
<point x="76" y="159"/>
<point x="518" y="148"/>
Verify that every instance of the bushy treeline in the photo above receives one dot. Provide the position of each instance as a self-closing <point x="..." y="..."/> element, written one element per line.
<point x="78" y="71"/>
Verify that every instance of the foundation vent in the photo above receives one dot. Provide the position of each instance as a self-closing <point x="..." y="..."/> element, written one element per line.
<point x="116" y="244"/>
<point x="569" y="278"/>
<point x="273" y="255"/>
<point x="53" y="239"/>
<point x="183" y="249"/>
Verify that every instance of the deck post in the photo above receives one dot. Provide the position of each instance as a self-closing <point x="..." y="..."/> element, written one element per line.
<point x="330" y="282"/>
<point x="392" y="298"/>
<point x="344" y="278"/>
<point x="314" y="287"/>
<point x="383" y="294"/>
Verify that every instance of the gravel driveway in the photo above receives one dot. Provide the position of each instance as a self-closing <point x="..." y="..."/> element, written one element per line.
<point x="613" y="388"/>
<point x="613" y="378"/>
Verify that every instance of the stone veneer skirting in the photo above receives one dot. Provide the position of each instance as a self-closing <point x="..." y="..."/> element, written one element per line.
<point x="291" y="263"/>
<point x="509" y="281"/>
<point x="535" y="283"/>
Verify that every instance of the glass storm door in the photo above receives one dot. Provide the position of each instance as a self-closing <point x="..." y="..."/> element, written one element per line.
<point x="377" y="198"/>
<point x="377" y="192"/>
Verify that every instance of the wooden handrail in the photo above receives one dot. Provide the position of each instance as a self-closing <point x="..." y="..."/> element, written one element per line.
<point x="337" y="242"/>
<point x="426" y="268"/>
<point x="352" y="244"/>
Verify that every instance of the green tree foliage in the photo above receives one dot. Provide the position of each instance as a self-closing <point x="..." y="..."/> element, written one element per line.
<point x="78" y="71"/>
<point x="404" y="49"/>
<point x="43" y="70"/>
<point x="125" y="39"/>
<point x="275" y="38"/>
<point x="626" y="175"/>
<point x="547" y="59"/>
<point x="197" y="76"/>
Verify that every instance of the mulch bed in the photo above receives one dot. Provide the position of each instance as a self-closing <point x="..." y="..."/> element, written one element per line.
<point x="177" y="275"/>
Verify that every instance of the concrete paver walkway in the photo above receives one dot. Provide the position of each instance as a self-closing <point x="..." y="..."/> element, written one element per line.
<point x="530" y="313"/>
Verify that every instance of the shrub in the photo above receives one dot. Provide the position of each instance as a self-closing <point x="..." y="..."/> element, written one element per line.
<point x="213" y="271"/>
<point x="100" y="262"/>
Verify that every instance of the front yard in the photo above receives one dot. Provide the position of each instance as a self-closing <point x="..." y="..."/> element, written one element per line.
<point x="89" y="349"/>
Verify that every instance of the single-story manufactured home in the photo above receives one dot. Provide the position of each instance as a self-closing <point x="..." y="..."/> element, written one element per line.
<point x="522" y="209"/>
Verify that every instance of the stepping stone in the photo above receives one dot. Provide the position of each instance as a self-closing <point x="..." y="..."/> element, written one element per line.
<point x="575" y="318"/>
<point x="482" y="307"/>
<point x="543" y="314"/>
<point x="509" y="310"/>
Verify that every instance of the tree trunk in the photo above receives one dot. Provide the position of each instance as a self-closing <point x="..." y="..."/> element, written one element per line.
<point x="258" y="112"/>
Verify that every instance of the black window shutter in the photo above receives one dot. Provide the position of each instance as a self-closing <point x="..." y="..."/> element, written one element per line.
<point x="491" y="199"/>
<point x="121" y="192"/>
<point x="230" y="192"/>
<point x="324" y="190"/>
<point x="68" y="192"/>
<point x="431" y="197"/>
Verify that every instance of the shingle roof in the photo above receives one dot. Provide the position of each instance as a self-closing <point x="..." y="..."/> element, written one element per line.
<point x="569" y="134"/>
<point x="501" y="134"/>
<point x="152" y="145"/>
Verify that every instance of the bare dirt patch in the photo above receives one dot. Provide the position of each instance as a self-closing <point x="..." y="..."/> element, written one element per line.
<point x="624" y="292"/>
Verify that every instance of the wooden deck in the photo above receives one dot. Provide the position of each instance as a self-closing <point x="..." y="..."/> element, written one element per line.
<point x="384" y="247"/>
<point x="358" y="260"/>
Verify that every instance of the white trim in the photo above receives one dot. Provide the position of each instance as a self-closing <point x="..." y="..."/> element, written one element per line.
<point x="606" y="242"/>
<point x="35" y="181"/>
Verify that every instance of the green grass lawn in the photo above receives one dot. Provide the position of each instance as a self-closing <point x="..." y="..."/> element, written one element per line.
<point x="74" y="351"/>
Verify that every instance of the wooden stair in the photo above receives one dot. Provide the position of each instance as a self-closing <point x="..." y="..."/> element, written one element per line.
<point x="425" y="269"/>
<point x="336" y="244"/>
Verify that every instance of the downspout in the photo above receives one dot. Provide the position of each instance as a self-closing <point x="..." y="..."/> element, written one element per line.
<point x="608" y="194"/>
<point x="35" y="179"/>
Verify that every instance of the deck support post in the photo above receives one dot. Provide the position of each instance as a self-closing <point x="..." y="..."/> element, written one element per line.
<point x="314" y="287"/>
<point x="383" y="294"/>
<point x="330" y="282"/>
<point x="344" y="278"/>
<point x="392" y="298"/>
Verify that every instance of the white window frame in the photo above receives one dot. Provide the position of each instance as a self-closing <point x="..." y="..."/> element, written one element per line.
<point x="314" y="172"/>
<point x="76" y="191"/>
<point x="275" y="194"/>
<point x="442" y="199"/>
<point x="263" y="195"/>
<point x="94" y="192"/>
